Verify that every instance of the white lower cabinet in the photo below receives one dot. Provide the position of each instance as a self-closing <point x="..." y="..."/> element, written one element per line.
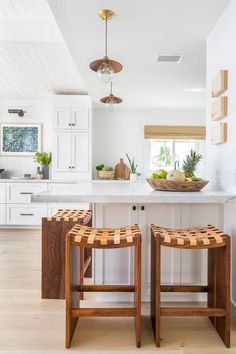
<point x="26" y="214"/>
<point x="177" y="266"/>
<point x="2" y="214"/>
<point x="21" y="192"/>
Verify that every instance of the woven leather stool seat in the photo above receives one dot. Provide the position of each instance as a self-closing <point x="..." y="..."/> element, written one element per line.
<point x="93" y="237"/>
<point x="202" y="237"/>
<point x="81" y="216"/>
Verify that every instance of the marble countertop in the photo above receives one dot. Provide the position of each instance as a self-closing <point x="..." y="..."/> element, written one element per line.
<point x="129" y="192"/>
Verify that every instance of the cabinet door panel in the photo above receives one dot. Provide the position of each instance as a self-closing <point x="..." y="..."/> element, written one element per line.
<point x="2" y="214"/>
<point x="80" y="152"/>
<point x="21" y="192"/>
<point x="62" y="118"/>
<point x="80" y="118"/>
<point x="114" y="266"/>
<point x="26" y="214"/>
<point x="63" y="160"/>
<point x="2" y="192"/>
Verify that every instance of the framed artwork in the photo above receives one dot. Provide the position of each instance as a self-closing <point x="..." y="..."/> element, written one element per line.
<point x="220" y="83"/>
<point x="219" y="108"/>
<point x="20" y="139"/>
<point x="219" y="133"/>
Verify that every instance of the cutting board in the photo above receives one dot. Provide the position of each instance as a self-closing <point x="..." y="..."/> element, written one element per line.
<point x="121" y="171"/>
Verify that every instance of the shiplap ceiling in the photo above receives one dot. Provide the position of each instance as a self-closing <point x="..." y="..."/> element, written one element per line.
<point x="34" y="59"/>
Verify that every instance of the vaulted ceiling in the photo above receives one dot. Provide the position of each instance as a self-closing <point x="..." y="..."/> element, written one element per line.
<point x="34" y="59"/>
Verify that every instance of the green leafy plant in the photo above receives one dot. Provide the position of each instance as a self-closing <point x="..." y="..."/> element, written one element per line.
<point x="43" y="158"/>
<point x="99" y="167"/>
<point x="133" y="166"/>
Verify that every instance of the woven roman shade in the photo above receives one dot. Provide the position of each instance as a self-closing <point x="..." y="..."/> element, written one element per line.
<point x="174" y="132"/>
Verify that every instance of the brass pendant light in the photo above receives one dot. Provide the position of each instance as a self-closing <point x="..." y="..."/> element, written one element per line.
<point x="105" y="67"/>
<point x="111" y="101"/>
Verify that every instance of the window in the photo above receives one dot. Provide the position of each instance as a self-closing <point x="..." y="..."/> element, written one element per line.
<point x="163" y="153"/>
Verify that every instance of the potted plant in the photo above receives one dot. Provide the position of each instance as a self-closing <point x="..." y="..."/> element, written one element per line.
<point x="133" y="169"/>
<point x="105" y="172"/>
<point x="44" y="159"/>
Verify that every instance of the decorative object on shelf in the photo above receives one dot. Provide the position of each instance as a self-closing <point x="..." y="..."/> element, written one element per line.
<point x="218" y="133"/>
<point x="19" y="112"/>
<point x="39" y="173"/>
<point x="20" y="139"/>
<point x="122" y="171"/>
<point x="174" y="186"/>
<point x="133" y="168"/>
<point x="219" y="108"/>
<point x="220" y="83"/>
<point x="111" y="101"/>
<point x="44" y="159"/>
<point x="105" y="172"/>
<point x="105" y="67"/>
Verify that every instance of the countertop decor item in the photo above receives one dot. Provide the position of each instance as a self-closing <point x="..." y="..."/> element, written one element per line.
<point x="173" y="186"/>
<point x="111" y="101"/>
<point x="105" y="67"/>
<point x="105" y="172"/>
<point x="122" y="170"/>
<point x="20" y="139"/>
<point x="44" y="159"/>
<point x="133" y="168"/>
<point x="220" y="83"/>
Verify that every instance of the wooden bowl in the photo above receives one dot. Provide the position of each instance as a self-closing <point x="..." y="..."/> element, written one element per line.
<point x="106" y="174"/>
<point x="173" y="186"/>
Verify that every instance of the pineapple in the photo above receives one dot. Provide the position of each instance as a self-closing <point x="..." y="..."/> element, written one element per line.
<point x="190" y="163"/>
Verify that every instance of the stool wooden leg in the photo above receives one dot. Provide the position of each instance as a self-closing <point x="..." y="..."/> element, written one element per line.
<point x="156" y="287"/>
<point x="81" y="271"/>
<point x="72" y="294"/>
<point x="137" y="294"/>
<point x="219" y="288"/>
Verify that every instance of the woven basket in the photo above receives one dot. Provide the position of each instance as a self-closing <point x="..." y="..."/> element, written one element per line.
<point x="173" y="186"/>
<point x="106" y="174"/>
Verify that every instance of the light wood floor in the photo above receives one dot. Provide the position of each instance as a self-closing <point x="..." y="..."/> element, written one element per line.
<point x="31" y="325"/>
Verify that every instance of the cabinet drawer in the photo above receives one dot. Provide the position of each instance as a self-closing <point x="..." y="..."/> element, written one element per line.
<point x="2" y="192"/>
<point x="53" y="208"/>
<point x="21" y="192"/>
<point x="2" y="214"/>
<point x="25" y="214"/>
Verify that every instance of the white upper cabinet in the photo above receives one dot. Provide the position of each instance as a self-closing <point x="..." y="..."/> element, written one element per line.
<point x="71" y="118"/>
<point x="80" y="118"/>
<point x="63" y="156"/>
<point x="62" y="118"/>
<point x="80" y="152"/>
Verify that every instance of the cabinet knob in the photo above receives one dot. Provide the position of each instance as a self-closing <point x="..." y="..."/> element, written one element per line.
<point x="142" y="207"/>
<point x="134" y="207"/>
<point x="69" y="124"/>
<point x="72" y="166"/>
<point x="69" y="166"/>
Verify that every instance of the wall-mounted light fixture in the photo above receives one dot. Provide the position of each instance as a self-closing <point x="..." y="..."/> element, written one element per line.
<point x="20" y="112"/>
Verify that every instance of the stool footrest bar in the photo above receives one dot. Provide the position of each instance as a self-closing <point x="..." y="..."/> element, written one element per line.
<point x="106" y="288"/>
<point x="184" y="288"/>
<point x="101" y="312"/>
<point x="212" y="312"/>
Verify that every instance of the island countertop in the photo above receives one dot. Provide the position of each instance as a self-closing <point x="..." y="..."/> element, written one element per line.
<point x="128" y="192"/>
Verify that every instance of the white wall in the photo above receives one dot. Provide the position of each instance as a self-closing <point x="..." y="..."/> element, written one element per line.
<point x="36" y="112"/>
<point x="221" y="54"/>
<point x="120" y="132"/>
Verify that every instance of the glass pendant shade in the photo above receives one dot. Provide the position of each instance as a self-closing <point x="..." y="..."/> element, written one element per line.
<point x="105" y="72"/>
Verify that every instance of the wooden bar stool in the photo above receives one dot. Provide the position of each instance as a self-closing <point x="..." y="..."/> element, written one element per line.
<point x="54" y="231"/>
<point x="84" y="236"/>
<point x="218" y="288"/>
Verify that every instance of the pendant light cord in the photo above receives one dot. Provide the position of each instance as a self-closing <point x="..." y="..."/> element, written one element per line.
<point x="106" y="38"/>
<point x="111" y="88"/>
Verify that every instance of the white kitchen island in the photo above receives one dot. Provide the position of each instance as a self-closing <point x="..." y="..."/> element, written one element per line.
<point x="117" y="204"/>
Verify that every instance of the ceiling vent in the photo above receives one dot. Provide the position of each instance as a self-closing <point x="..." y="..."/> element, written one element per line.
<point x="170" y="58"/>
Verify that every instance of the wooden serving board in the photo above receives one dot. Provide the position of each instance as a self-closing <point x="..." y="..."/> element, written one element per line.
<point x="121" y="171"/>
